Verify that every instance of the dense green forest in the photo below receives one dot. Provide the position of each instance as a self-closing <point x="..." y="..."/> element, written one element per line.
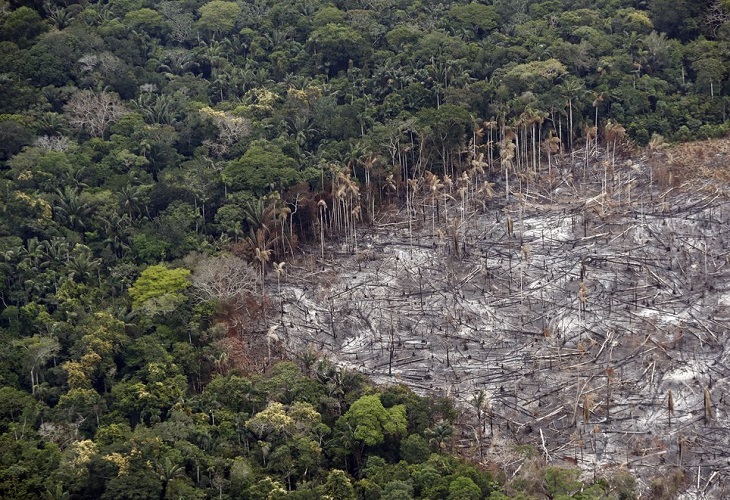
<point x="161" y="160"/>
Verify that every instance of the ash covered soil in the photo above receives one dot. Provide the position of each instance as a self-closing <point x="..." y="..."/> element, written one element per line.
<point x="592" y="314"/>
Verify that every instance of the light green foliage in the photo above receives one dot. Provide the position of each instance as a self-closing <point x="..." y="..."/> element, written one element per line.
<point x="37" y="351"/>
<point x="80" y="404"/>
<point x="287" y="384"/>
<point x="328" y="15"/>
<point x="145" y="18"/>
<point x="475" y="16"/>
<point x="230" y="219"/>
<point x="338" y="486"/>
<point x="265" y="489"/>
<point x="218" y="16"/>
<point x="535" y="76"/>
<point x="299" y="419"/>
<point x="371" y="422"/>
<point x="150" y="400"/>
<point x="710" y="71"/>
<point x="26" y="464"/>
<point x="42" y="169"/>
<point x="263" y="167"/>
<point x="159" y="282"/>
<point x="634" y="20"/>
<point x="117" y="432"/>
<point x="446" y="125"/>
<point x="272" y="420"/>
<point x="140" y="484"/>
<point x="401" y="36"/>
<point x="241" y="473"/>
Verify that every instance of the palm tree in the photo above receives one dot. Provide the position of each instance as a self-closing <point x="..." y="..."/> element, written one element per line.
<point x="613" y="132"/>
<point x="308" y="358"/>
<point x="28" y="261"/>
<point x="301" y="130"/>
<point x="215" y="53"/>
<point x="82" y="263"/>
<point x="262" y="238"/>
<point x="539" y="118"/>
<point x="507" y="154"/>
<point x="440" y="435"/>
<point x="177" y="62"/>
<point x="115" y="229"/>
<point x="259" y="214"/>
<point x="368" y="162"/>
<point x="598" y="99"/>
<point x="434" y="187"/>
<point x="168" y="470"/>
<point x="74" y="176"/>
<point x="491" y="125"/>
<point x="282" y="214"/>
<point x="60" y="17"/>
<point x="57" y="249"/>
<point x="157" y="109"/>
<point x="130" y="198"/>
<point x="571" y="89"/>
<point x="279" y="270"/>
<point x="551" y="145"/>
<point x="52" y="124"/>
<point x="480" y="402"/>
<point x="262" y="256"/>
<point x="346" y="206"/>
<point x="322" y="206"/>
<point x="72" y="208"/>
<point x="656" y="144"/>
<point x="56" y="494"/>
<point x="411" y="189"/>
<point x="271" y="336"/>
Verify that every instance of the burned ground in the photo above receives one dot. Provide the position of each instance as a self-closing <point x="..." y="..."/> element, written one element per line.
<point x="591" y="314"/>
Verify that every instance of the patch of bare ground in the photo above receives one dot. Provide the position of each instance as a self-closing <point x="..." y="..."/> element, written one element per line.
<point x="582" y="311"/>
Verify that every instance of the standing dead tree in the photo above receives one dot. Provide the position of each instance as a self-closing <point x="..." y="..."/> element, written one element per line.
<point x="93" y="111"/>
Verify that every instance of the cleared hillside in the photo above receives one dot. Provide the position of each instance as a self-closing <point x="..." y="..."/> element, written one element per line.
<point x="592" y="315"/>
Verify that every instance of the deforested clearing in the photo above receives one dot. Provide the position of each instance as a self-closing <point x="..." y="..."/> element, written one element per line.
<point x="592" y="314"/>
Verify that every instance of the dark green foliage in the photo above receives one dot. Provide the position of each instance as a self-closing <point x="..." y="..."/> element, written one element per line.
<point x="25" y="463"/>
<point x="22" y="26"/>
<point x="336" y="47"/>
<point x="415" y="449"/>
<point x="13" y="136"/>
<point x="463" y="488"/>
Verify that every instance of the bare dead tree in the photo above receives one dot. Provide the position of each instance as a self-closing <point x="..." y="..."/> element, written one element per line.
<point x="717" y="17"/>
<point x="231" y="129"/>
<point x="224" y="279"/>
<point x="93" y="111"/>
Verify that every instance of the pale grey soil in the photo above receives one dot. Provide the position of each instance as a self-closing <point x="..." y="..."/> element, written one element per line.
<point x="577" y="325"/>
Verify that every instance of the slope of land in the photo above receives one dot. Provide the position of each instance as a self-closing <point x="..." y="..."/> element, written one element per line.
<point x="591" y="315"/>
